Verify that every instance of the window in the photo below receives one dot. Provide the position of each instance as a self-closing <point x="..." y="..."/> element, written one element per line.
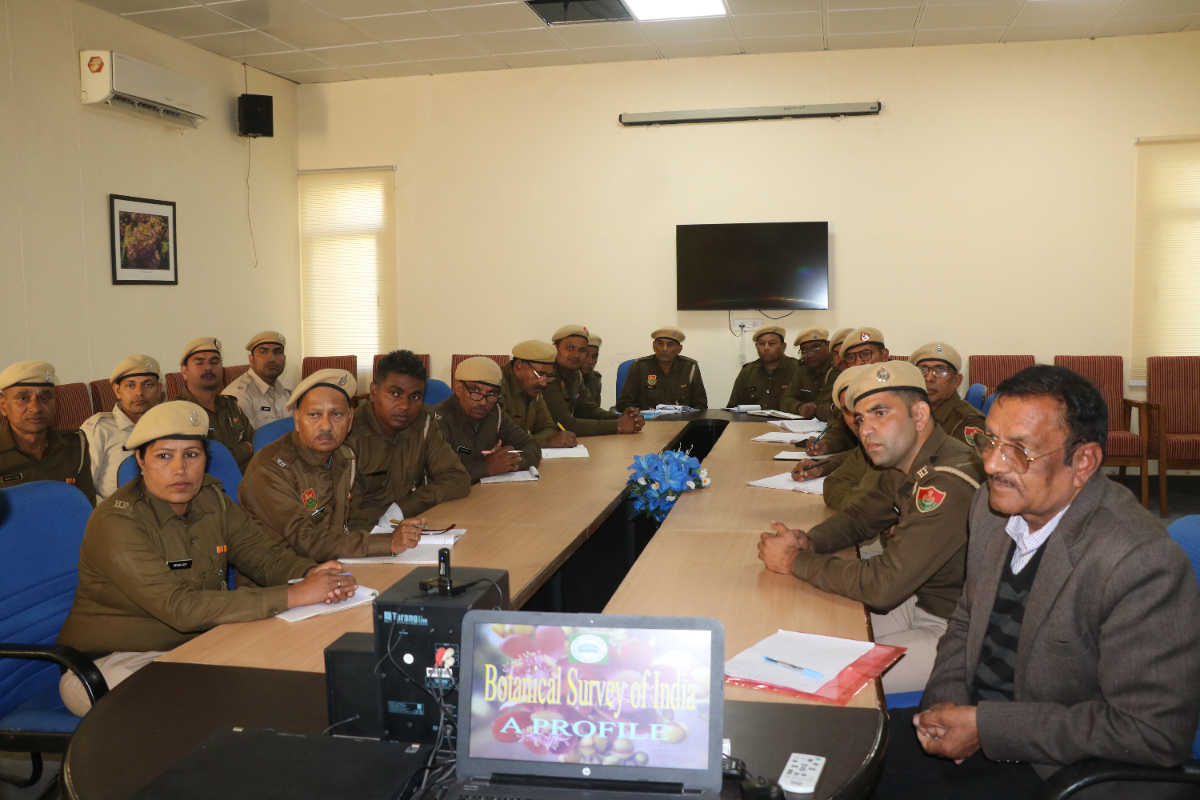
<point x="348" y="264"/>
<point x="1166" y="252"/>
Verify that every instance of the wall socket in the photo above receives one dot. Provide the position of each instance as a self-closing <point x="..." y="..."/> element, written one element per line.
<point x="751" y="324"/>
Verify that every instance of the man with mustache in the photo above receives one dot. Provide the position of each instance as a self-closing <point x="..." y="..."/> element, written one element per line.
<point x="298" y="487"/>
<point x="765" y="381"/>
<point x="258" y="391"/>
<point x="664" y="378"/>
<point x="30" y="449"/>
<point x="487" y="440"/>
<point x="810" y="394"/>
<point x="571" y="404"/>
<point x="524" y="379"/>
<point x="592" y="379"/>
<point x="925" y="491"/>
<point x="227" y="423"/>
<point x="137" y="384"/>
<point x="867" y="344"/>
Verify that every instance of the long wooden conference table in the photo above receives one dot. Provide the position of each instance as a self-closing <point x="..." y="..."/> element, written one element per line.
<point x="701" y="562"/>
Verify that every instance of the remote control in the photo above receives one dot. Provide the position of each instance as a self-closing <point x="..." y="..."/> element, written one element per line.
<point x="801" y="774"/>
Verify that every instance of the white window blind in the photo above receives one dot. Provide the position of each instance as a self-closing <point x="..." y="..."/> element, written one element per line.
<point x="348" y="264"/>
<point x="1166" y="254"/>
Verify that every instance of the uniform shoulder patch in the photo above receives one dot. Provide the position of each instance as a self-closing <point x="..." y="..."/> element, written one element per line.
<point x="929" y="498"/>
<point x="281" y="463"/>
<point x="651" y="380"/>
<point x="120" y="504"/>
<point x="970" y="432"/>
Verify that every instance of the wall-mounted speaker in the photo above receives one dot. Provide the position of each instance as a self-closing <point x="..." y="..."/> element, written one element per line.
<point x="255" y="115"/>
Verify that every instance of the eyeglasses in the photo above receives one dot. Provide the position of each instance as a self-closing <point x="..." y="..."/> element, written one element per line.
<point x="1014" y="455"/>
<point x="537" y="373"/>
<point x="477" y="395"/>
<point x="863" y="356"/>
<point x="809" y="348"/>
<point x="940" y="370"/>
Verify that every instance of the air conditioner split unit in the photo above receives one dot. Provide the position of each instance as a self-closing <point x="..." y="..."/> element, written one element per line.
<point x="141" y="88"/>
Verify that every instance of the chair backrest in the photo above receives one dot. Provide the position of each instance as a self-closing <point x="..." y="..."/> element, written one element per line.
<point x="313" y="363"/>
<point x="436" y="391"/>
<point x="1185" y="531"/>
<point x="128" y="470"/>
<point x="175" y="384"/>
<point x="458" y="358"/>
<point x="74" y="405"/>
<point x="423" y="356"/>
<point x="103" y="398"/>
<point x="272" y="431"/>
<point x="221" y="466"/>
<point x="991" y="370"/>
<point x="1107" y="373"/>
<point x="976" y="394"/>
<point x="987" y="404"/>
<point x="622" y="370"/>
<point x="1172" y="381"/>
<point x="233" y="373"/>
<point x="897" y="358"/>
<point x="41" y="528"/>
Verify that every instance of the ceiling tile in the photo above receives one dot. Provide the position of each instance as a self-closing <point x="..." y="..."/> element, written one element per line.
<point x="874" y="21"/>
<point x="269" y="13"/>
<point x="443" y="47"/>
<point x="1156" y="8"/>
<point x="1138" y="27"/>
<point x="438" y="5"/>
<point x="242" y="43"/>
<point x="133" y="6"/>
<point x="405" y="69"/>
<point x="929" y="3"/>
<point x="320" y="76"/>
<point x="688" y="30"/>
<point x="958" y="36"/>
<point x="600" y="34"/>
<point x="193" y="21"/>
<point x="720" y="47"/>
<point x="553" y="58"/>
<point x="774" y="25"/>
<point x="1049" y="12"/>
<point x="1041" y="33"/>
<point x="975" y="15"/>
<point x="365" y="8"/>
<point x="857" y="5"/>
<point x="867" y="41"/>
<point x="475" y="64"/>
<point x="421" y="25"/>
<point x="357" y="54"/>
<point x="500" y="17"/>
<point x="286" y="62"/>
<point x="782" y="44"/>
<point x="517" y="41"/>
<point x="319" y="34"/>
<point x="631" y="52"/>
<point x="771" y="6"/>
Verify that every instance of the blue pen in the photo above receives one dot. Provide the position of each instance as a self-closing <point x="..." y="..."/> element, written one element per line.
<point x="808" y="673"/>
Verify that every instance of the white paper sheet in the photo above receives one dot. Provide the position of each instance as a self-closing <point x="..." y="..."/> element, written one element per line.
<point x="746" y="409"/>
<point x="781" y="437"/>
<point x="578" y="451"/>
<point x="423" y="554"/>
<point x="664" y="408"/>
<point x="800" y="425"/>
<point x="520" y="476"/>
<point x="384" y="525"/>
<point x="797" y="455"/>
<point x="784" y="481"/>
<point x="826" y="655"/>
<point x="362" y="596"/>
<point x="774" y="413"/>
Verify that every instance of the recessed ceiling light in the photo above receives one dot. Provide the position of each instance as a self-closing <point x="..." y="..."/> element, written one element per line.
<point x="675" y="9"/>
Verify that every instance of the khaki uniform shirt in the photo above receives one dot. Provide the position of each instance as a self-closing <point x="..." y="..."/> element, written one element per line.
<point x="150" y="579"/>
<point x="528" y="413"/>
<point x="927" y="556"/>
<point x="850" y="480"/>
<point x="812" y="387"/>
<point x="572" y="405"/>
<point x="838" y="436"/>
<point x="227" y="425"/>
<point x="107" y="433"/>
<point x="960" y="419"/>
<point x="302" y="499"/>
<point x="646" y="385"/>
<point x="595" y="385"/>
<point x="755" y="386"/>
<point x="66" y="459"/>
<point x="469" y="439"/>
<point x="416" y="469"/>
<point x="261" y="401"/>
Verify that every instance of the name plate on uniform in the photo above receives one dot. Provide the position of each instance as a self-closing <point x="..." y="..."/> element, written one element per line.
<point x="183" y="563"/>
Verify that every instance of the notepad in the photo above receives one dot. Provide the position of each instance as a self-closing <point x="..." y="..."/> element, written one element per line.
<point x="384" y="525"/>
<point x="800" y="425"/>
<point x="781" y="437"/>
<point x="774" y="413"/>
<point x="665" y="408"/>
<point x="823" y="655"/>
<point x="578" y="451"/>
<point x="362" y="596"/>
<point x="520" y="476"/>
<point x="797" y="455"/>
<point x="426" y="552"/>
<point x="785" y="481"/>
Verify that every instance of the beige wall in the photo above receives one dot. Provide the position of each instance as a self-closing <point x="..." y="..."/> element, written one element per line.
<point x="990" y="204"/>
<point x="59" y="161"/>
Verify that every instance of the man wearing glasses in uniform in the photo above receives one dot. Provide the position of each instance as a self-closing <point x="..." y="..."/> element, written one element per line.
<point x="525" y="378"/>
<point x="861" y="346"/>
<point x="940" y="364"/>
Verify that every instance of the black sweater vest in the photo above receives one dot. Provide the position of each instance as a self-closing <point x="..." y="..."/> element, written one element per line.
<point x="996" y="673"/>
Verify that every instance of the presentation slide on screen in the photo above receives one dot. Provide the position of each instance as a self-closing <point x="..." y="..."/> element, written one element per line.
<point x="616" y="697"/>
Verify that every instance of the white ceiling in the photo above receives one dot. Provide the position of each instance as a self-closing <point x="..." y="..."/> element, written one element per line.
<point x="314" y="41"/>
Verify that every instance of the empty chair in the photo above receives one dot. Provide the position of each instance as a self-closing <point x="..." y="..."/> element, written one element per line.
<point x="457" y="359"/>
<point x="976" y="394"/>
<point x="103" y="398"/>
<point x="436" y="391"/>
<point x="73" y="406"/>
<point x="1173" y="402"/>
<point x="272" y="431"/>
<point x="233" y="373"/>
<point x="313" y="363"/>
<point x="175" y="384"/>
<point x="991" y="370"/>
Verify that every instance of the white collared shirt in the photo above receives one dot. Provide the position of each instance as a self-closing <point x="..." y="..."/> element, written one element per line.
<point x="106" y="434"/>
<point x="260" y="401"/>
<point x="1028" y="543"/>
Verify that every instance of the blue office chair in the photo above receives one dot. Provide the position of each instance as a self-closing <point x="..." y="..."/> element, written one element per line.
<point x="904" y="699"/>
<point x="272" y="431"/>
<point x="221" y="466"/>
<point x="41" y="529"/>
<point x="622" y="371"/>
<point x="976" y="393"/>
<point x="436" y="391"/>
<point x="128" y="470"/>
<point x="987" y="404"/>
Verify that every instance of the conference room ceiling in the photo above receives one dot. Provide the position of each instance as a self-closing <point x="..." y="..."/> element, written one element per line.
<point x="316" y="41"/>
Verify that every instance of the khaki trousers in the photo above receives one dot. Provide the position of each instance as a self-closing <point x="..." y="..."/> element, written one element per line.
<point x="919" y="631"/>
<point x="115" y="667"/>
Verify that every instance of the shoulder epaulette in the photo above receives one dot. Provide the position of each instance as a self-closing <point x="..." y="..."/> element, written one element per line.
<point x="83" y="451"/>
<point x="955" y="471"/>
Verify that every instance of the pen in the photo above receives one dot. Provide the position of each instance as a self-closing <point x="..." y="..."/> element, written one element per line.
<point x="298" y="580"/>
<point x="808" y="673"/>
<point x="560" y="427"/>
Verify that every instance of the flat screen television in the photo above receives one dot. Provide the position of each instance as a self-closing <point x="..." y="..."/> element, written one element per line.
<point x="752" y="265"/>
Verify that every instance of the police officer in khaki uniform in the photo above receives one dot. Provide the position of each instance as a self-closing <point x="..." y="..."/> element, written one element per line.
<point x="925" y="491"/>
<point x="486" y="439"/>
<point x="227" y="423"/>
<point x="30" y="449"/>
<point x="298" y="487"/>
<point x="665" y="378"/>
<point x="523" y="381"/>
<point x="402" y="456"/>
<point x="941" y="364"/>
<point x="835" y="347"/>
<point x="137" y="384"/>
<point x="154" y="555"/>
<point x="571" y="405"/>
<point x="862" y="346"/>
<point x="811" y="394"/>
<point x="592" y="379"/>
<point x="764" y="381"/>
<point x="258" y="390"/>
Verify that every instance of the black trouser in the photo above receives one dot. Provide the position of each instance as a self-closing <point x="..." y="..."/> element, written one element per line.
<point x="909" y="772"/>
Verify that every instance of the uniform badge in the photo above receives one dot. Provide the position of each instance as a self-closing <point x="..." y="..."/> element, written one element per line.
<point x="195" y="418"/>
<point x="149" y="366"/>
<point x="310" y="499"/>
<point x="48" y="377"/>
<point x="922" y="472"/>
<point x="812" y="335"/>
<point x="651" y="380"/>
<point x="929" y="498"/>
<point x="882" y="375"/>
<point x="938" y="350"/>
<point x="969" y="434"/>
<point x="120" y="504"/>
<point x="217" y="343"/>
<point x="11" y="478"/>
<point x="866" y="337"/>
<point x="342" y="381"/>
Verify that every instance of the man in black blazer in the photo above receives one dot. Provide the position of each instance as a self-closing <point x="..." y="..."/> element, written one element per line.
<point x="1076" y="635"/>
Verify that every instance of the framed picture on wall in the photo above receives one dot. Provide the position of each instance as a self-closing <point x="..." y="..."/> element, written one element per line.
<point x="143" y="240"/>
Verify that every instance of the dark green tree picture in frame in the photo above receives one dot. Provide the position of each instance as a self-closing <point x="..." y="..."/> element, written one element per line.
<point x="143" y="240"/>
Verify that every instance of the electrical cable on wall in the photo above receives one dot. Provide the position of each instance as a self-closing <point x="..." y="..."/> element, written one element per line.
<point x="249" y="221"/>
<point x="768" y="316"/>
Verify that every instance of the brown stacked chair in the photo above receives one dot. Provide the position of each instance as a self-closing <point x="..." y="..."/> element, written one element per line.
<point x="1125" y="448"/>
<point x="991" y="370"/>
<point x="175" y="384"/>
<point x="1173" y="395"/>
<point x="457" y="359"/>
<point x="313" y="363"/>
<point x="233" y="373"/>
<point x="897" y="358"/>
<point x="74" y="405"/>
<point x="103" y="398"/>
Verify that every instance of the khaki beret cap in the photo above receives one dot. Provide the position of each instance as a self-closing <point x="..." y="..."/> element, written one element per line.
<point x="812" y="334"/>
<point x="338" y="379"/>
<point x="178" y="419"/>
<point x="594" y="340"/>
<point x="205" y="344"/>
<point x="481" y="369"/>
<point x="274" y="337"/>
<point x="136" y="365"/>
<point x="860" y="336"/>
<point x="28" y="373"/>
<point x="838" y="337"/>
<point x="937" y="351"/>
<point x="669" y="333"/>
<point x="843" y="382"/>
<point x="534" y="350"/>
<point x="570" y="330"/>
<point x="775" y="329"/>
<point x="883" y="377"/>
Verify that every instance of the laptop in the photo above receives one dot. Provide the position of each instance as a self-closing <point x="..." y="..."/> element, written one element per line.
<point x="589" y="705"/>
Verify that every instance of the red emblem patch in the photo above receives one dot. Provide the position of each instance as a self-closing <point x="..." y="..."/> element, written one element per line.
<point x="866" y="337"/>
<point x="969" y="434"/>
<point x="929" y="498"/>
<point x="310" y="499"/>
